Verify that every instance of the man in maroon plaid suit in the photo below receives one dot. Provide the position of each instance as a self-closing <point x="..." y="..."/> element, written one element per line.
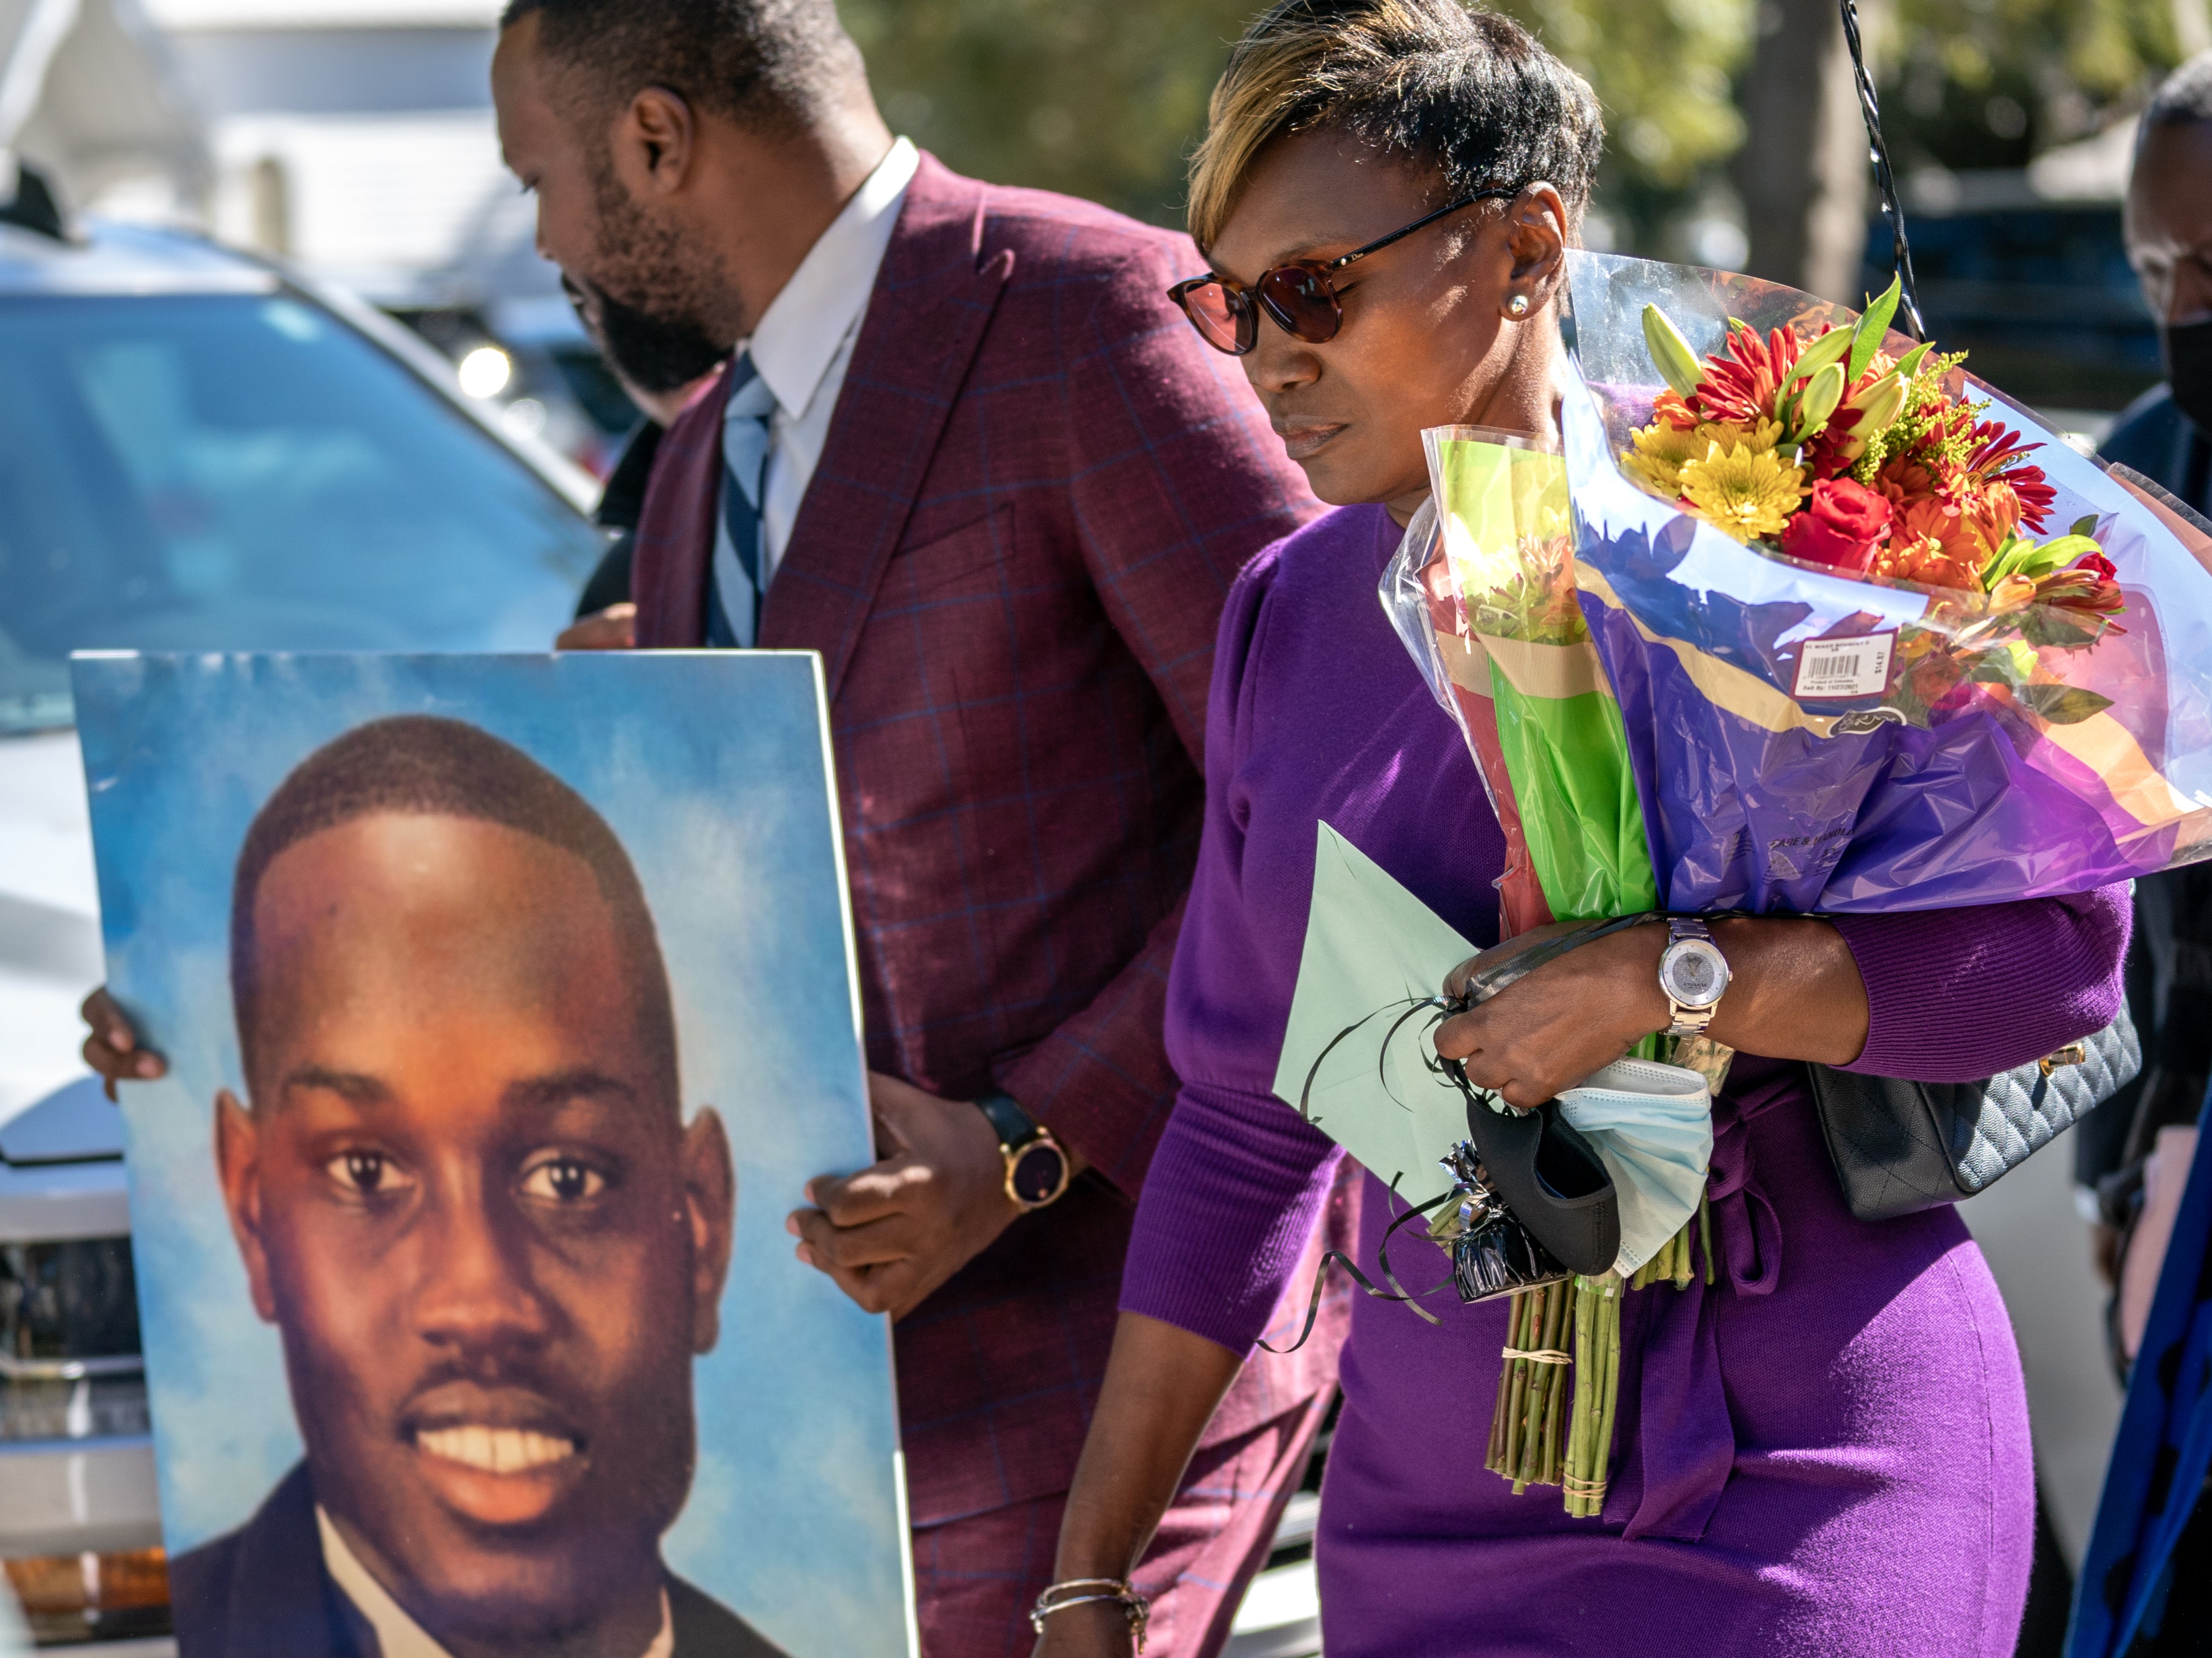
<point x="1003" y="492"/>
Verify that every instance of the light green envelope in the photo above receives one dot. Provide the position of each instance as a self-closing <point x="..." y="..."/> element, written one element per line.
<point x="1371" y="947"/>
<point x="1372" y="951"/>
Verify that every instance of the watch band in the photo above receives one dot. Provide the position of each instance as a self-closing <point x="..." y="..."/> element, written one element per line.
<point x="1014" y="1126"/>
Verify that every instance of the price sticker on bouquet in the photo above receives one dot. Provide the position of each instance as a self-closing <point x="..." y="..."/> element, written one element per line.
<point x="1856" y="666"/>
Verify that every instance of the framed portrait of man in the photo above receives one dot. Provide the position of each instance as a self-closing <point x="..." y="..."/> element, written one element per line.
<point x="509" y="1003"/>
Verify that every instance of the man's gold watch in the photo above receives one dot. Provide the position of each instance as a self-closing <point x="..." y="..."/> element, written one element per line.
<point x="1037" y="1168"/>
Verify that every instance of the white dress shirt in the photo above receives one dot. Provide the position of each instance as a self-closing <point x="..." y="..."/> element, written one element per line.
<point x="397" y="1634"/>
<point x="804" y="343"/>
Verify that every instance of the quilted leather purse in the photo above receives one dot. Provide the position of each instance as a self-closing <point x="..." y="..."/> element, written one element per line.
<point x="1901" y="1146"/>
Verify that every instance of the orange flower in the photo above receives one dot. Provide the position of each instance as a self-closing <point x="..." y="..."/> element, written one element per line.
<point x="1951" y="537"/>
<point x="1906" y="483"/>
<point x="1924" y="560"/>
<point x="1991" y="509"/>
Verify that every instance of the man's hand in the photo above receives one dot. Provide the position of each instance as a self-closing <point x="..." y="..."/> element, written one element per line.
<point x="113" y="1048"/>
<point x="891" y="1235"/>
<point x="614" y="629"/>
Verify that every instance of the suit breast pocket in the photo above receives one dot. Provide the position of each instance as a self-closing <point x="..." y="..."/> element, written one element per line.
<point x="969" y="560"/>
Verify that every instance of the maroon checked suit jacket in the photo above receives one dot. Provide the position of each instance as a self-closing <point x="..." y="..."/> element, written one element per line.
<point x="1038" y="485"/>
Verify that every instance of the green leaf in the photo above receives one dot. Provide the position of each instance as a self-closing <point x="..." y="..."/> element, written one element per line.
<point x="2043" y="626"/>
<point x="1909" y="364"/>
<point x="2056" y="555"/>
<point x="2021" y="557"/>
<point x="2011" y="664"/>
<point x="1829" y="348"/>
<point x="2086" y="525"/>
<point x="1993" y="668"/>
<point x="1873" y="323"/>
<point x="2064" y="705"/>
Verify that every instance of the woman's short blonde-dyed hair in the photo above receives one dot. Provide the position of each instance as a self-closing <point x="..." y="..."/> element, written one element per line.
<point x="1465" y="92"/>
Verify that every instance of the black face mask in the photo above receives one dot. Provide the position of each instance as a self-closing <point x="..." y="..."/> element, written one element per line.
<point x="658" y="354"/>
<point x="2188" y="351"/>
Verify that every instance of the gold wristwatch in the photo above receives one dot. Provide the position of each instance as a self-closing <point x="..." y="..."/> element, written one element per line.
<point x="1037" y="1168"/>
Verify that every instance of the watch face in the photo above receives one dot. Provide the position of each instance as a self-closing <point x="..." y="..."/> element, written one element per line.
<point x="1038" y="1173"/>
<point x="1693" y="973"/>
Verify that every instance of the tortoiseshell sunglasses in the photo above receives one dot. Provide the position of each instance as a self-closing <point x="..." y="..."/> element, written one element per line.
<point x="1300" y="296"/>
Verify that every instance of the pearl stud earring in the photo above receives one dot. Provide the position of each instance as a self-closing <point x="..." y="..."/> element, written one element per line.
<point x="1518" y="306"/>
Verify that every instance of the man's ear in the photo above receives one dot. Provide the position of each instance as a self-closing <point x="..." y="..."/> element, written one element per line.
<point x="238" y="1165"/>
<point x="1536" y="236"/>
<point x="710" y="1199"/>
<point x="655" y="143"/>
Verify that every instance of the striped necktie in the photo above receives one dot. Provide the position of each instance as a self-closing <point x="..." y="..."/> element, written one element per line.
<point x="733" y="589"/>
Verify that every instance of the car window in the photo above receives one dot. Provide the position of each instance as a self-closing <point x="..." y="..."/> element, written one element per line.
<point x="246" y="472"/>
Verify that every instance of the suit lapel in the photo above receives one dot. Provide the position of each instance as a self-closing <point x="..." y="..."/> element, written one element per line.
<point x="282" y="1602"/>
<point x="933" y="300"/>
<point x="676" y="528"/>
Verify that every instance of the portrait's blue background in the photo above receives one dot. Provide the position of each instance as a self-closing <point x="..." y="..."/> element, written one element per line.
<point x="712" y="770"/>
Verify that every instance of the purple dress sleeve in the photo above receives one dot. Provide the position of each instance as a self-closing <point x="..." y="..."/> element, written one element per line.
<point x="1955" y="995"/>
<point x="1239" y="1178"/>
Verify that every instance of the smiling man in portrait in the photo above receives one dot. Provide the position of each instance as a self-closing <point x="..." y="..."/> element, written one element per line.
<point x="466" y="1196"/>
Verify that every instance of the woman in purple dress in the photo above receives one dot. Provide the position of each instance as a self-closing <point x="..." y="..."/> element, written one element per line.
<point x="1826" y="1452"/>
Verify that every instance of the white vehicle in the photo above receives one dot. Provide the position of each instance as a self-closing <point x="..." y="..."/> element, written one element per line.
<point x="196" y="452"/>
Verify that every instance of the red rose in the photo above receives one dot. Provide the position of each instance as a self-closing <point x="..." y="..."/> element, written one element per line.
<point x="2096" y="564"/>
<point x="1840" y="526"/>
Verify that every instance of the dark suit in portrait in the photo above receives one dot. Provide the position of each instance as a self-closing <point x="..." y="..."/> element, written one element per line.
<point x="264" y="1591"/>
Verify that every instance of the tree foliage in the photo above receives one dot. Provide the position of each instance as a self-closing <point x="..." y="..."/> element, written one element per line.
<point x="1106" y="97"/>
<point x="1981" y="83"/>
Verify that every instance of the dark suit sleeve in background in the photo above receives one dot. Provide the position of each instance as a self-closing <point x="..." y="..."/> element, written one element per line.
<point x="1177" y="481"/>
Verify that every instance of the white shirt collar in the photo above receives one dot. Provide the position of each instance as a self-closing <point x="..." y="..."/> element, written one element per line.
<point x="397" y="1634"/>
<point x="804" y="325"/>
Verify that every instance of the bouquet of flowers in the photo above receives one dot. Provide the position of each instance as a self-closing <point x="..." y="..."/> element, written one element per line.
<point x="1833" y="453"/>
<point x="1786" y="627"/>
<point x="1878" y="639"/>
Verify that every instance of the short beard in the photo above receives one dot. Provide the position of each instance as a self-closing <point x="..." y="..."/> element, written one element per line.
<point x="658" y="337"/>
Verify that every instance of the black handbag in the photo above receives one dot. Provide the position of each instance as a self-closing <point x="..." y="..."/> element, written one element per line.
<point x="1900" y="1146"/>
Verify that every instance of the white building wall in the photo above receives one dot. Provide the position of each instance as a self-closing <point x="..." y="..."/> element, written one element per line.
<point x="356" y="138"/>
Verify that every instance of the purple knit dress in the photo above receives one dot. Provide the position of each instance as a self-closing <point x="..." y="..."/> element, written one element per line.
<point x="1826" y="1453"/>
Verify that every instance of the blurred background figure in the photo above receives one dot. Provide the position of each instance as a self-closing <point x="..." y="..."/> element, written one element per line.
<point x="2144" y="1584"/>
<point x="607" y="620"/>
<point x="2166" y="434"/>
<point x="2147" y="1581"/>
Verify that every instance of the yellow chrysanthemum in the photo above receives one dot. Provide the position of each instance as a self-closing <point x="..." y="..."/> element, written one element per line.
<point x="1757" y="436"/>
<point x="1662" y="451"/>
<point x="1659" y="456"/>
<point x="1743" y="493"/>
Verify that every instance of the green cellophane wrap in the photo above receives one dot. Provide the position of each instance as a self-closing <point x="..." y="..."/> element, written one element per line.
<point x="1508" y="551"/>
<point x="1486" y="603"/>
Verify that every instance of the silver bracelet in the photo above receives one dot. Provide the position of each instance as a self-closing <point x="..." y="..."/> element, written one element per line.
<point x="1090" y="1591"/>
